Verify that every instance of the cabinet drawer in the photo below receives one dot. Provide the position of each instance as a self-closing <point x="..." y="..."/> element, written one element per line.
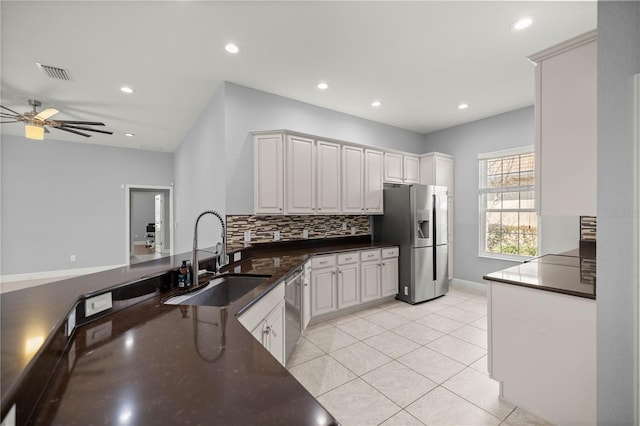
<point x="390" y="252"/>
<point x="370" y="255"/>
<point x="323" y="261"/>
<point x="346" y="258"/>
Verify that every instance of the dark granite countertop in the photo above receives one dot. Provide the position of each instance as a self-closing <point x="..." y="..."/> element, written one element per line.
<point x="566" y="273"/>
<point x="150" y="363"/>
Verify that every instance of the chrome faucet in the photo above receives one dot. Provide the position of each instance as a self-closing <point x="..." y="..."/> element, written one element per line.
<point x="221" y="249"/>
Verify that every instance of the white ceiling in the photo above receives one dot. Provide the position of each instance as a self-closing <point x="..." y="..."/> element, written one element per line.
<point x="420" y="58"/>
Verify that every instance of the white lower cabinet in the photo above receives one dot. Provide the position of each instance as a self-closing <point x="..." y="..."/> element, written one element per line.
<point x="351" y="278"/>
<point x="323" y="285"/>
<point x="370" y="283"/>
<point x="306" y="295"/>
<point x="265" y="320"/>
<point x="389" y="271"/>
<point x="348" y="280"/>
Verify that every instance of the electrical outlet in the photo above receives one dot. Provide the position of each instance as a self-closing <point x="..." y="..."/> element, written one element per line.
<point x="305" y="233"/>
<point x="72" y="258"/>
<point x="344" y="226"/>
<point x="353" y="230"/>
<point x="406" y="290"/>
<point x="276" y="235"/>
<point x="247" y="236"/>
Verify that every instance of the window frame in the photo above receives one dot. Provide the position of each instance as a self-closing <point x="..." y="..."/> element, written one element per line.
<point x="482" y="210"/>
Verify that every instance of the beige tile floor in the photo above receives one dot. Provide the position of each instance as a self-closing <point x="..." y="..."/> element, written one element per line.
<point x="398" y="364"/>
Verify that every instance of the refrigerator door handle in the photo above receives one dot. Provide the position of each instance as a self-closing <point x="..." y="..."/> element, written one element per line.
<point x="434" y="229"/>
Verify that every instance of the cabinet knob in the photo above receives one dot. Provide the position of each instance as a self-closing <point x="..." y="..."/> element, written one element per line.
<point x="267" y="330"/>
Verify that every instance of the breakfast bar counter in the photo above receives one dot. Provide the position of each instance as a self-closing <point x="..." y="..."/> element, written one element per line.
<point x="146" y="362"/>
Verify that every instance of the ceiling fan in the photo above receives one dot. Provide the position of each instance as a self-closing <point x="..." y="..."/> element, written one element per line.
<point x="36" y="123"/>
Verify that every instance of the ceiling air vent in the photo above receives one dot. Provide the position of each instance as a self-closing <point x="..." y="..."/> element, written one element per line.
<point x="54" y="72"/>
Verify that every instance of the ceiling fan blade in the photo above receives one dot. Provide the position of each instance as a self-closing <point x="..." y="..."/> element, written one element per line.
<point x="73" y="131"/>
<point x="86" y="123"/>
<point x="5" y="115"/>
<point x="9" y="109"/>
<point x="14" y="121"/>
<point x="43" y="115"/>
<point x="66" y="126"/>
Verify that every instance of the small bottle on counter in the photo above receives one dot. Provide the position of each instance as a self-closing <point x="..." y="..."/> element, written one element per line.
<point x="182" y="274"/>
<point x="188" y="277"/>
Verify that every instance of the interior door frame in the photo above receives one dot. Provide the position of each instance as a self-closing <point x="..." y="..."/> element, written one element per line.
<point x="129" y="188"/>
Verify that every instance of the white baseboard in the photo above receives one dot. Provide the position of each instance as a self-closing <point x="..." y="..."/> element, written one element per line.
<point x="468" y="285"/>
<point x="56" y="274"/>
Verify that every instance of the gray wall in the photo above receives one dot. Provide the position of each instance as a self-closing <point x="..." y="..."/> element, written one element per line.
<point x="63" y="198"/>
<point x="200" y="172"/>
<point x="249" y="110"/>
<point x="510" y="130"/>
<point x="618" y="61"/>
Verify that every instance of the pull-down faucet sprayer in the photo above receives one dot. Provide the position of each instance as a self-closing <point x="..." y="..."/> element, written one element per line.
<point x="221" y="252"/>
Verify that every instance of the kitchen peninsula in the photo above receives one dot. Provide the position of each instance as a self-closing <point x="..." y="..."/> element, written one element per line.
<point x="148" y="362"/>
<point x="542" y="336"/>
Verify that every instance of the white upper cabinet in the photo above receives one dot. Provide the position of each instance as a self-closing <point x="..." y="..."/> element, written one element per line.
<point x="300" y="175"/>
<point x="566" y="133"/>
<point x="399" y="168"/>
<point x="437" y="169"/>
<point x="352" y="179"/>
<point x="328" y="177"/>
<point x="373" y="168"/>
<point x="393" y="167"/>
<point x="268" y="178"/>
<point x="411" y="167"/>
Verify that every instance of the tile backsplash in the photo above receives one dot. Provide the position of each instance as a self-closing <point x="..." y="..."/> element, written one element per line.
<point x="262" y="228"/>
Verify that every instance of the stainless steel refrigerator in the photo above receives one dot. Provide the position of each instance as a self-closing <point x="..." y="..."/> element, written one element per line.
<point x="415" y="217"/>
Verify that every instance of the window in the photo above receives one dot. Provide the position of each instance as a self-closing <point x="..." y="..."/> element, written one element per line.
<point x="508" y="220"/>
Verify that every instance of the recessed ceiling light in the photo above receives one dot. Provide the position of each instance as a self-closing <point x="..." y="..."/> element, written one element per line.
<point x="376" y="104"/>
<point x="231" y="48"/>
<point x="130" y="134"/>
<point x="463" y="106"/>
<point x="323" y="85"/>
<point x="126" y="89"/>
<point x="522" y="23"/>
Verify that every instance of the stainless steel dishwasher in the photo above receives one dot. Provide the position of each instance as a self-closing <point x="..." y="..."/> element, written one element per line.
<point x="293" y="311"/>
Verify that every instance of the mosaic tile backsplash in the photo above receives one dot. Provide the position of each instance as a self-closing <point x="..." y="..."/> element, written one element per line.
<point x="291" y="227"/>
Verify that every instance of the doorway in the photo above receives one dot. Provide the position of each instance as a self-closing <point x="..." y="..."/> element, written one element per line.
<point x="149" y="214"/>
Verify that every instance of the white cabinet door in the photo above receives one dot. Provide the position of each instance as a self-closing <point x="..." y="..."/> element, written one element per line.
<point x="370" y="281"/>
<point x="437" y="169"/>
<point x="352" y="179"/>
<point x="374" y="169"/>
<point x="348" y="285"/>
<point x="444" y="173"/>
<point x="393" y="167"/>
<point x="323" y="290"/>
<point x="389" y="276"/>
<point x="300" y="175"/>
<point x="306" y="295"/>
<point x="268" y="180"/>
<point x="274" y="331"/>
<point x="328" y="177"/>
<point x="411" y="169"/>
<point x="566" y="131"/>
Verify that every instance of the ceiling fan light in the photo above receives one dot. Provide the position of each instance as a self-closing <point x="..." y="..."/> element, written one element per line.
<point x="34" y="130"/>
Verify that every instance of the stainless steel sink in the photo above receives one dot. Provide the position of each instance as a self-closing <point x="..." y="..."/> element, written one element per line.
<point x="221" y="291"/>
